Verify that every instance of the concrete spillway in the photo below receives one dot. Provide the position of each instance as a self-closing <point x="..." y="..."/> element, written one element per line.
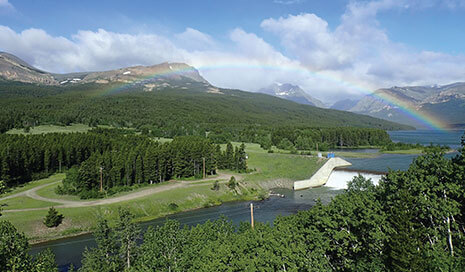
<point x="321" y="176"/>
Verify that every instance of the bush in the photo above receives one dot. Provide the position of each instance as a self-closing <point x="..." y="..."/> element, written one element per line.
<point x="232" y="183"/>
<point x="53" y="218"/>
<point x="173" y="206"/>
<point x="216" y="186"/>
<point x="2" y="187"/>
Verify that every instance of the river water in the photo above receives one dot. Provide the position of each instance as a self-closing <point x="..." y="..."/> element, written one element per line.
<point x="70" y="250"/>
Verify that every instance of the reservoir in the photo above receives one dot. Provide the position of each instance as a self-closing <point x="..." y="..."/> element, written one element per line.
<point x="70" y="250"/>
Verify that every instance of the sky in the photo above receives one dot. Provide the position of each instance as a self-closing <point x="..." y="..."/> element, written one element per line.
<point x="333" y="49"/>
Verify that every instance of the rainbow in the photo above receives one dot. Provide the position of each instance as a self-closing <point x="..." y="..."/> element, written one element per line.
<point x="406" y="109"/>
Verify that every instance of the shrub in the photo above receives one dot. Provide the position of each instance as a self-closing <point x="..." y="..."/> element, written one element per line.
<point x="2" y="187"/>
<point x="232" y="183"/>
<point x="53" y="218"/>
<point x="173" y="206"/>
<point x="216" y="186"/>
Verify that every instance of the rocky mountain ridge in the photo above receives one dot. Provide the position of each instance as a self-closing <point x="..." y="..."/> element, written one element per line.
<point x="15" y="69"/>
<point x="446" y="103"/>
<point x="292" y="93"/>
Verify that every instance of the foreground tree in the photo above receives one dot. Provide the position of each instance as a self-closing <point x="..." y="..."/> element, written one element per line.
<point x="116" y="247"/>
<point x="14" y="255"/>
<point x="53" y="218"/>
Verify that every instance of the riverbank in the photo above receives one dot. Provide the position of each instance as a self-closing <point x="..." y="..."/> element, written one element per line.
<point x="268" y="171"/>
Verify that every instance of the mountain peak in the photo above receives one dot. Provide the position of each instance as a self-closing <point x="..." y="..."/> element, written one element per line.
<point x="291" y="92"/>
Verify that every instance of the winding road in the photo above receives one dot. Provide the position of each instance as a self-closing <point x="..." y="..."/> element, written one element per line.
<point x="32" y="193"/>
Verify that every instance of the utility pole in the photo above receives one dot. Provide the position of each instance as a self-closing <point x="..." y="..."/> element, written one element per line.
<point x="101" y="179"/>
<point x="251" y="214"/>
<point x="204" y="174"/>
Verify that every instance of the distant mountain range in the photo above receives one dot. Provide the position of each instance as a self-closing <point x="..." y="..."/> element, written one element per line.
<point x="292" y="93"/>
<point x="169" y="95"/>
<point x="445" y="103"/>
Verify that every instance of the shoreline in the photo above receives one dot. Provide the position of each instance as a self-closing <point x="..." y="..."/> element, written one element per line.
<point x="265" y="186"/>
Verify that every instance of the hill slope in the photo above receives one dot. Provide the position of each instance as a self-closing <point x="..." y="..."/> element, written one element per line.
<point x="171" y="97"/>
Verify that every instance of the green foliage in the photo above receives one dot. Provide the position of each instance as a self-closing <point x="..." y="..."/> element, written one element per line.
<point x="14" y="252"/>
<point x="412" y="221"/>
<point x="2" y="187"/>
<point x="53" y="218"/>
<point x="116" y="247"/>
<point x="125" y="160"/>
<point x="173" y="206"/>
<point x="45" y="262"/>
<point x="232" y="183"/>
<point x="216" y="186"/>
<point x="223" y="114"/>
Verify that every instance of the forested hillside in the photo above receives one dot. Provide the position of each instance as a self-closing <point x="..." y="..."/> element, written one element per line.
<point x="168" y="112"/>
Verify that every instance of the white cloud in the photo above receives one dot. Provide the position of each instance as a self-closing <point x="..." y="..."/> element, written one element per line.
<point x="195" y="40"/>
<point x="359" y="50"/>
<point x="288" y="2"/>
<point x="5" y="4"/>
<point x="331" y="62"/>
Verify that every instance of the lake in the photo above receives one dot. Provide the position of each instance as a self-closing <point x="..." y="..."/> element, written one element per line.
<point x="70" y="250"/>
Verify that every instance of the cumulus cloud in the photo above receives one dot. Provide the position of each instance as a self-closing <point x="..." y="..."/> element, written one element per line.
<point x="331" y="62"/>
<point x="360" y="51"/>
<point x="195" y="40"/>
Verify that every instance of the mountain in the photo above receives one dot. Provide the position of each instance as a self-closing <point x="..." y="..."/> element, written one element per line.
<point x="13" y="68"/>
<point x="446" y="103"/>
<point x="156" y="76"/>
<point x="170" y="97"/>
<point x="344" y="105"/>
<point x="292" y="93"/>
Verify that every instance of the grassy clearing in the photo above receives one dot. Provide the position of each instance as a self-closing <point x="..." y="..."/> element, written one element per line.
<point x="146" y="208"/>
<point x="52" y="129"/>
<point x="49" y="192"/>
<point x="408" y="151"/>
<point x="33" y="184"/>
<point x="24" y="202"/>
<point x="354" y="154"/>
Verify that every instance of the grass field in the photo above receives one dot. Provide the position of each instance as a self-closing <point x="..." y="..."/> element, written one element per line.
<point x="51" y="129"/>
<point x="406" y="152"/>
<point x="33" y="184"/>
<point x="24" y="202"/>
<point x="268" y="167"/>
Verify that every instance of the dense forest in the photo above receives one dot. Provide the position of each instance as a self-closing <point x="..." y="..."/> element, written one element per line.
<point x="412" y="221"/>
<point x="112" y="156"/>
<point x="165" y="112"/>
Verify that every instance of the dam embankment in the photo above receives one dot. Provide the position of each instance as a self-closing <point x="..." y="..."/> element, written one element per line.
<point x="322" y="175"/>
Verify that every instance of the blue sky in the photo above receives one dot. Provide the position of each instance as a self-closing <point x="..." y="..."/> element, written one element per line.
<point x="331" y="48"/>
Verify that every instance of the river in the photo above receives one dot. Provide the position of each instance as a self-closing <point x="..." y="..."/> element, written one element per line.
<point x="70" y="250"/>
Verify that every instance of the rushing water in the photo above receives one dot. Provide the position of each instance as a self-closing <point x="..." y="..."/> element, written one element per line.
<point x="70" y="250"/>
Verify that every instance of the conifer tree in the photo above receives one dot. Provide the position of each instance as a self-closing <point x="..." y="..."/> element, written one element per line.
<point x="53" y="218"/>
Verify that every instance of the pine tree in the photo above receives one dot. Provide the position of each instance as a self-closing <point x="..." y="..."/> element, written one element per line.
<point x="404" y="248"/>
<point x="229" y="157"/>
<point x="53" y="218"/>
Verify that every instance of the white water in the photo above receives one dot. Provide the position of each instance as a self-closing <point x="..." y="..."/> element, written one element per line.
<point x="338" y="179"/>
